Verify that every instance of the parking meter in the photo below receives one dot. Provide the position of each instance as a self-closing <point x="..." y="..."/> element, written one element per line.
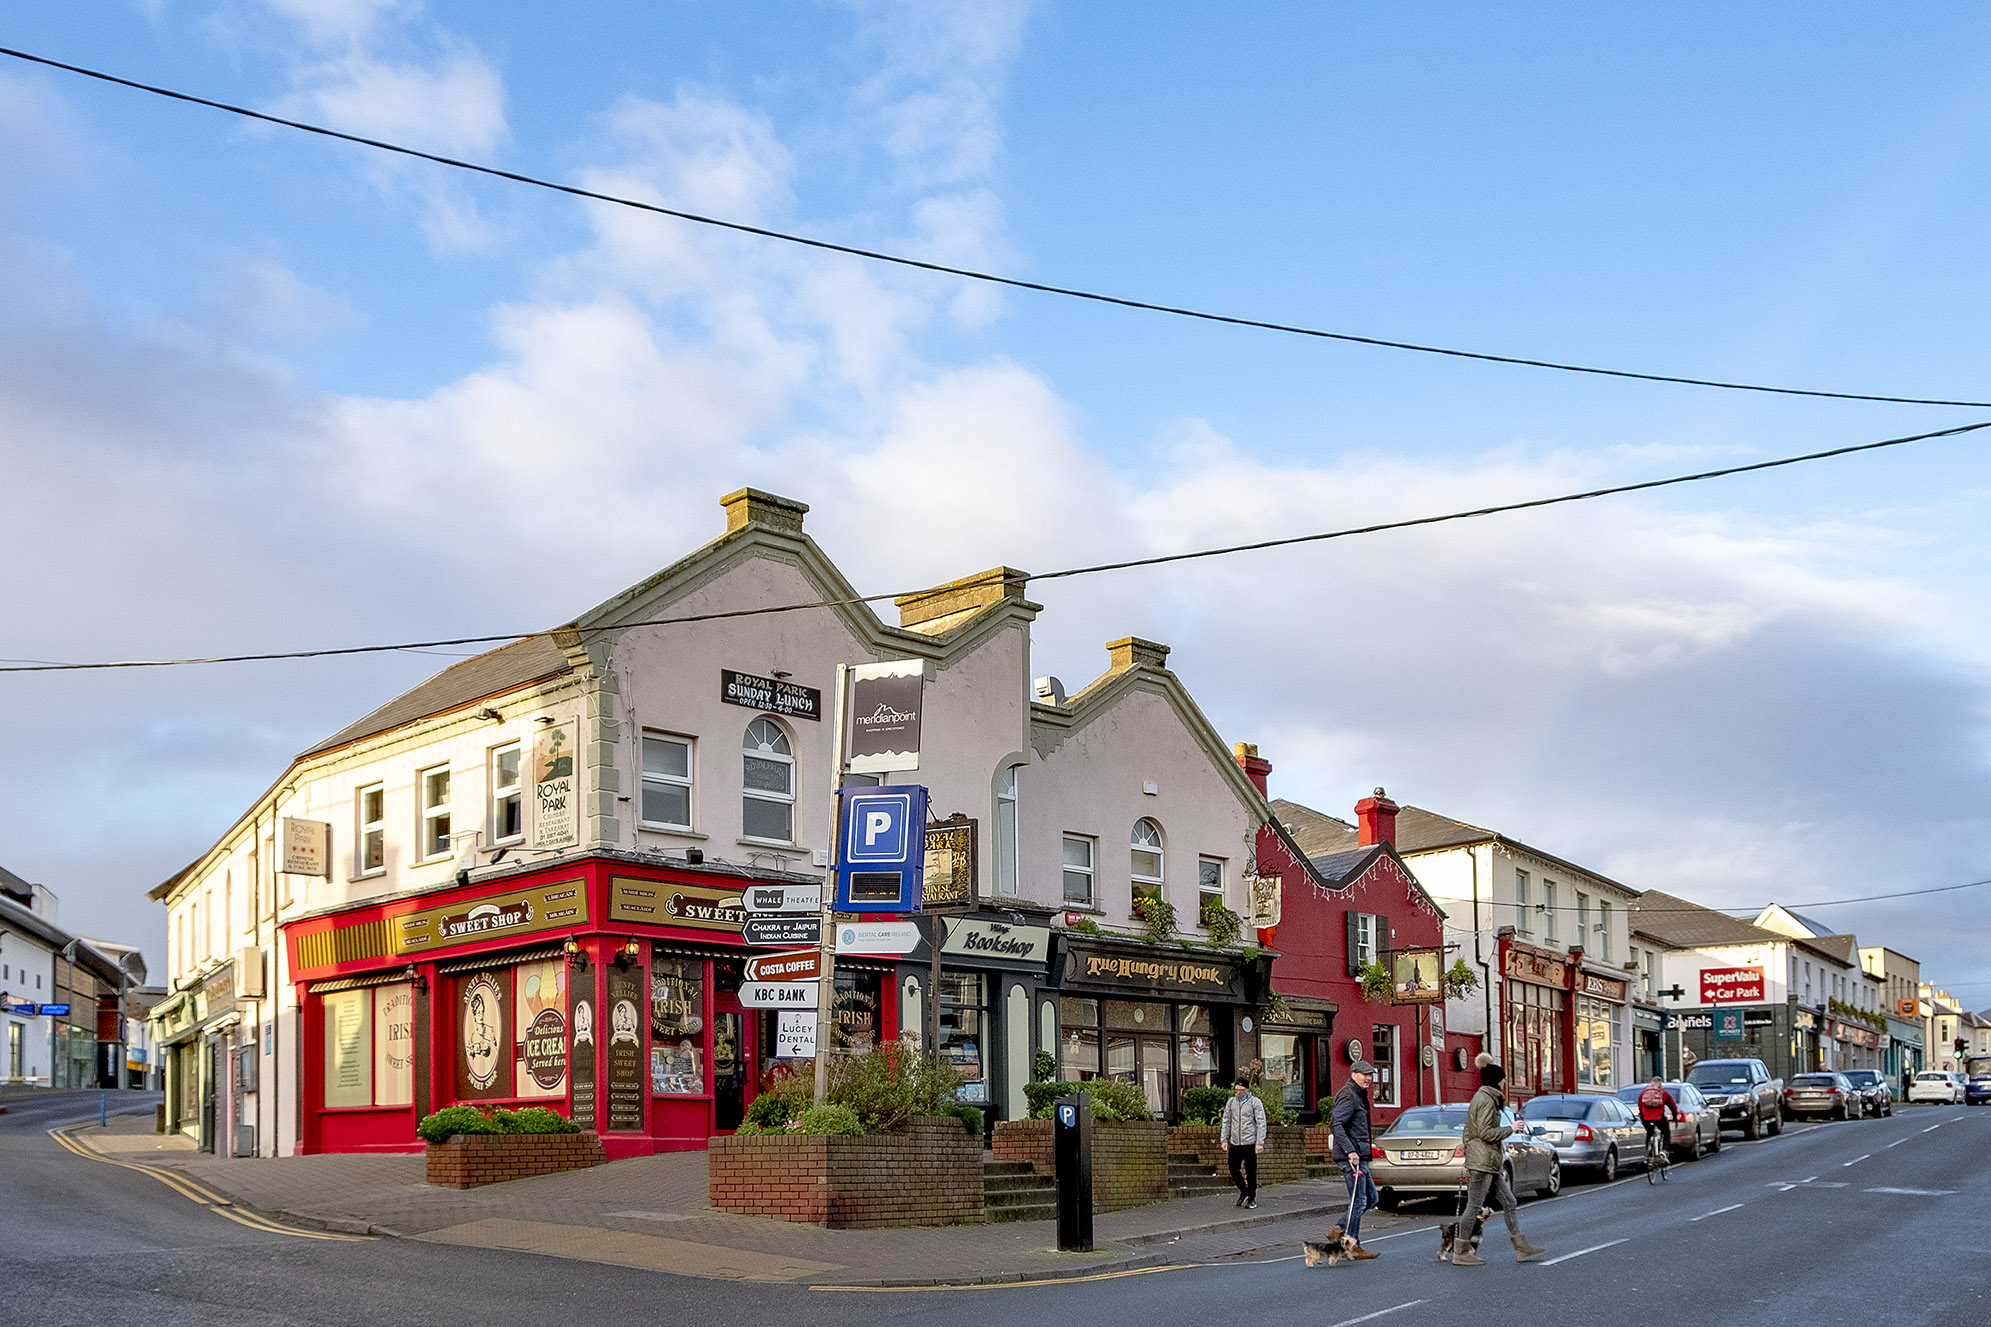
<point x="1071" y="1148"/>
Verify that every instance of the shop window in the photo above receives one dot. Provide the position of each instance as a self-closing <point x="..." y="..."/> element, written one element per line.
<point x="1005" y="832"/>
<point x="1078" y="871"/>
<point x="1209" y="888"/>
<point x="964" y="1023"/>
<point x="369" y="1047"/>
<point x="507" y="799"/>
<point x="1195" y="1048"/>
<point x="1078" y="1039"/>
<point x="854" y="1011"/>
<point x="434" y="786"/>
<point x="1368" y="939"/>
<point x="484" y="1035"/>
<point x="1146" y="859"/>
<point x="767" y="799"/>
<point x="1138" y="1043"/>
<point x="1548" y="910"/>
<point x="666" y="782"/>
<point x="1596" y="1043"/>
<point x="1282" y="1067"/>
<point x="1523" y="913"/>
<point x="540" y="997"/>
<point x="677" y="1026"/>
<point x="1604" y="930"/>
<point x="1382" y="1053"/>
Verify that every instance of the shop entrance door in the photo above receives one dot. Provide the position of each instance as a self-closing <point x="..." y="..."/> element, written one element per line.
<point x="1155" y="1075"/>
<point x="734" y="1055"/>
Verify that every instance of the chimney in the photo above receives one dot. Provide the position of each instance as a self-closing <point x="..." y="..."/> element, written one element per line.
<point x="1131" y="651"/>
<point x="1254" y="768"/>
<point x="944" y="607"/>
<point x="750" y="506"/>
<point x="1375" y="820"/>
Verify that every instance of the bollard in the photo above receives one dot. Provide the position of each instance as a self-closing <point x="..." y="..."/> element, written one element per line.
<point x="1071" y="1148"/>
<point x="100" y="1110"/>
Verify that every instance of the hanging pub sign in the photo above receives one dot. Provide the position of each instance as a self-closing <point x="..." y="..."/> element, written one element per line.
<point x="882" y="854"/>
<point x="304" y="847"/>
<point x="770" y="695"/>
<point x="947" y="881"/>
<point x="884" y="716"/>
<point x="1265" y="893"/>
<point x="1414" y="976"/>
<point x="556" y="801"/>
<point x="625" y="999"/>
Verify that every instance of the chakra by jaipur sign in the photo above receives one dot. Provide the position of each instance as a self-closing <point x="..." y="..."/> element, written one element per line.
<point x="1731" y="985"/>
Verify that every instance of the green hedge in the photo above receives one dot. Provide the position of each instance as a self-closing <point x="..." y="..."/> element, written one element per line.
<point x="1204" y="1105"/>
<point x="1112" y="1098"/>
<point x="452" y="1120"/>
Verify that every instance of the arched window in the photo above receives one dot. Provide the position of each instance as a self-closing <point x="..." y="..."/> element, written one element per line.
<point x="767" y="784"/>
<point x="1147" y="858"/>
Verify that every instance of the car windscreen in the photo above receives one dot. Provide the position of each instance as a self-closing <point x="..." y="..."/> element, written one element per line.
<point x="1932" y="1078"/>
<point x="1814" y="1080"/>
<point x="1559" y="1108"/>
<point x="1430" y="1120"/>
<point x="1863" y="1077"/>
<point x="1718" y="1075"/>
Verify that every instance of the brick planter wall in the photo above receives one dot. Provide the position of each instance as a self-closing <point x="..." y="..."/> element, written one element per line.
<point x="1282" y="1162"/>
<point x="1320" y="1141"/>
<point x="1129" y="1158"/>
<point x="470" y="1160"/>
<point x="931" y="1175"/>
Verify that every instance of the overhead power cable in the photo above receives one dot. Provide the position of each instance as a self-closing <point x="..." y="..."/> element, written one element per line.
<point x="971" y="274"/>
<point x="1069" y="572"/>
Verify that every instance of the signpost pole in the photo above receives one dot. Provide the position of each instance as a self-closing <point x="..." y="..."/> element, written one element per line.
<point x="826" y="989"/>
<point x="936" y="935"/>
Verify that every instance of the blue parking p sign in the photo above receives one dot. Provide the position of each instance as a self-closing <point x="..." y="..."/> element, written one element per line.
<point x="882" y="850"/>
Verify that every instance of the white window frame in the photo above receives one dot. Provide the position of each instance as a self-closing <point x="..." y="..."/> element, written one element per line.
<point x="1392" y="1084"/>
<point x="1549" y="927"/>
<point x="1582" y="921"/>
<point x="1522" y="909"/>
<point x="648" y="779"/>
<point x="761" y="750"/>
<point x="1604" y="922"/>
<point x="428" y="813"/>
<point x="513" y="793"/>
<point x="1203" y="892"/>
<point x="1143" y="884"/>
<point x="1089" y="872"/>
<point x="1006" y="875"/>
<point x="1365" y="939"/>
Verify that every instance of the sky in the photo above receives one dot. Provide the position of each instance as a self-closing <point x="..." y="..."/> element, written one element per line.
<point x="260" y="390"/>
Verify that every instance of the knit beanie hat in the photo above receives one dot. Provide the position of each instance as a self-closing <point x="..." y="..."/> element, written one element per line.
<point x="1490" y="1073"/>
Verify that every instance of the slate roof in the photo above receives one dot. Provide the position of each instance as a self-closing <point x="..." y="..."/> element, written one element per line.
<point x="1675" y="921"/>
<point x="14" y="917"/>
<point x="1817" y="928"/>
<point x="1336" y="867"/>
<point x="493" y="673"/>
<point x="1845" y="948"/>
<point x="1313" y="832"/>
<point x="1417" y="830"/>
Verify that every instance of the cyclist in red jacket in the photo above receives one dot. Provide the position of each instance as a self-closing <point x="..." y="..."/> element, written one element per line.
<point x="1655" y="1108"/>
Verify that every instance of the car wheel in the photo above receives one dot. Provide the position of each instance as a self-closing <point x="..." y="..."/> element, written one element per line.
<point x="1845" y="1113"/>
<point x="1385" y="1199"/>
<point x="1554" y="1186"/>
<point x="1700" y="1145"/>
<point x="1752" y="1128"/>
<point x="1715" y="1146"/>
<point x="1776" y="1124"/>
<point x="1610" y="1164"/>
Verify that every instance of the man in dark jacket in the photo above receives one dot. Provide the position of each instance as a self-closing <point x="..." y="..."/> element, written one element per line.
<point x="1483" y="1135"/>
<point x="1349" y="1119"/>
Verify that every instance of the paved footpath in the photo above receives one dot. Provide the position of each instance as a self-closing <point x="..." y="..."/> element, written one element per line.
<point x="652" y="1213"/>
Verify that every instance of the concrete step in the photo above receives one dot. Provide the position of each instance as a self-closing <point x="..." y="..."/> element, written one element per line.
<point x="1024" y="1212"/>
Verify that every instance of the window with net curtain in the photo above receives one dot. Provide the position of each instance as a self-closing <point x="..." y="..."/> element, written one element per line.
<point x="1146" y="861"/>
<point x="767" y="784"/>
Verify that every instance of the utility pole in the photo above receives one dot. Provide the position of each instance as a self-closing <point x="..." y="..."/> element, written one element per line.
<point x="826" y="984"/>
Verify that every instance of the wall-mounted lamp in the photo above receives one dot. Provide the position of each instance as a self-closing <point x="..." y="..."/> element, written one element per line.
<point x="542" y="718"/>
<point x="413" y="976"/>
<point x="576" y="956"/>
<point x="630" y="951"/>
<point x="488" y="714"/>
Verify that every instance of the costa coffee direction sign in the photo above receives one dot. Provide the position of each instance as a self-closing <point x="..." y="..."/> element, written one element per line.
<point x="802" y="965"/>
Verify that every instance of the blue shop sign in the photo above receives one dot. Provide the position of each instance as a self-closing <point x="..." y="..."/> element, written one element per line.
<point x="56" y="1010"/>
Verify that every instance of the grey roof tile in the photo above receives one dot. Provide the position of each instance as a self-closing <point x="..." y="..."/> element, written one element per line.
<point x="490" y="674"/>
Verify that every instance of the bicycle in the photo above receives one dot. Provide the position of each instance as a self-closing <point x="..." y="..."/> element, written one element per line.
<point x="1658" y="1165"/>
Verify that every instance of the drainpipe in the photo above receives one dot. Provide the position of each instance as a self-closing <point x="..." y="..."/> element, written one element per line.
<point x="1479" y="960"/>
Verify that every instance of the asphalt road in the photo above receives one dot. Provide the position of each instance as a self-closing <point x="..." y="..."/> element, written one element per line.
<point x="1857" y="1222"/>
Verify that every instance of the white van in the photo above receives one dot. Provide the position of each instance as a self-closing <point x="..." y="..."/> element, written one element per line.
<point x="1937" y="1085"/>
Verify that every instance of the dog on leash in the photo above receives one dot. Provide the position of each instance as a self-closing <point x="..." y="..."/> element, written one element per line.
<point x="1334" y="1248"/>
<point x="1449" y="1238"/>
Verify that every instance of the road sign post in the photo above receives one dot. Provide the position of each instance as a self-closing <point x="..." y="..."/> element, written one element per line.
<point x="826" y="985"/>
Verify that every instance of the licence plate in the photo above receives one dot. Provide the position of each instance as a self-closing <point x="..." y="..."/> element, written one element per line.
<point x="1420" y="1156"/>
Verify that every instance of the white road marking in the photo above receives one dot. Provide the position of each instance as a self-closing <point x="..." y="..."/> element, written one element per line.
<point x="1897" y="1142"/>
<point x="1578" y="1254"/>
<point x="1350" y="1322"/>
<point x="1854" y="1162"/>
<point x="1717" y="1211"/>
<point x="1914" y="1193"/>
<point x="1420" y="1230"/>
<point x="1932" y="1128"/>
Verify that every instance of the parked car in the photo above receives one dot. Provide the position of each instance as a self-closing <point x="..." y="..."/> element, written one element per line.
<point x="1876" y="1093"/>
<point x="1697" y="1131"/>
<point x="1938" y="1085"/>
<point x="1588" y="1132"/>
<point x="1976" y="1088"/>
<point x="1423" y="1154"/>
<point x="1822" y="1094"/>
<point x="1743" y="1093"/>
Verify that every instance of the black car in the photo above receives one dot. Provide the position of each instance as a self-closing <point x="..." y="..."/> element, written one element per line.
<point x="1743" y="1091"/>
<point x="1876" y="1093"/>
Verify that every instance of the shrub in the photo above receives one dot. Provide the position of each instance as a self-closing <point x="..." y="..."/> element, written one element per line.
<point x="1043" y="1067"/>
<point x="1157" y="916"/>
<point x="1273" y="1097"/>
<point x="1085" y="926"/>
<point x="1460" y="980"/>
<point x="775" y="1110"/>
<point x="840" y="1121"/>
<point x="452" y="1120"/>
<point x="1223" y="925"/>
<point x="886" y="1087"/>
<point x="970" y="1117"/>
<point x="1375" y="979"/>
<point x="1112" y="1098"/>
<point x="1204" y="1105"/>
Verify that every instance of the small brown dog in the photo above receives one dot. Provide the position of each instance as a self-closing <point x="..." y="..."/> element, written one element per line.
<point x="1448" y="1234"/>
<point x="1334" y="1248"/>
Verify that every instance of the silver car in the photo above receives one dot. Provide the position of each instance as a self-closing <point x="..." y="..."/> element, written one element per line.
<point x="1588" y="1131"/>
<point x="1423" y="1154"/>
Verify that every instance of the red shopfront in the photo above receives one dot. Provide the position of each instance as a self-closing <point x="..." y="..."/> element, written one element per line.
<point x="604" y="989"/>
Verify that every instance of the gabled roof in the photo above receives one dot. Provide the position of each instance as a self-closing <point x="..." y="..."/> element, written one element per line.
<point x="1684" y="925"/>
<point x="1313" y="832"/>
<point x="1335" y="868"/>
<point x="18" y="919"/>
<point x="1417" y="830"/>
<point x="1839" y="948"/>
<point x="521" y="663"/>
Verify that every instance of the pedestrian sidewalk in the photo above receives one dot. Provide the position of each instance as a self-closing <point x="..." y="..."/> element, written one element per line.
<point x="652" y="1212"/>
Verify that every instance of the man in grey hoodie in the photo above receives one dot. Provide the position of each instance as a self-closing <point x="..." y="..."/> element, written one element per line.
<point x="1242" y="1131"/>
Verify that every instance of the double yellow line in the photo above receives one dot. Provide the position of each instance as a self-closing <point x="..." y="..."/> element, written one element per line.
<point x="196" y="1192"/>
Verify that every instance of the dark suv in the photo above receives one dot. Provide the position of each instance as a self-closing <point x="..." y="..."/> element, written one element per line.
<point x="1743" y="1092"/>
<point x="1876" y="1095"/>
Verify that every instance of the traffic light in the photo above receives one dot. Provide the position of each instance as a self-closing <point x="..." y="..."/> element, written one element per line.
<point x="1959" y="1045"/>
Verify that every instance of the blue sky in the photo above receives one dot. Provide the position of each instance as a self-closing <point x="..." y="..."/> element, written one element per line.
<point x="260" y="390"/>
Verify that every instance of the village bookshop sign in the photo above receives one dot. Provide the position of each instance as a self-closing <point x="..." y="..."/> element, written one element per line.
<point x="885" y="703"/>
<point x="1012" y="945"/>
<point x="770" y="695"/>
<point x="556" y="800"/>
